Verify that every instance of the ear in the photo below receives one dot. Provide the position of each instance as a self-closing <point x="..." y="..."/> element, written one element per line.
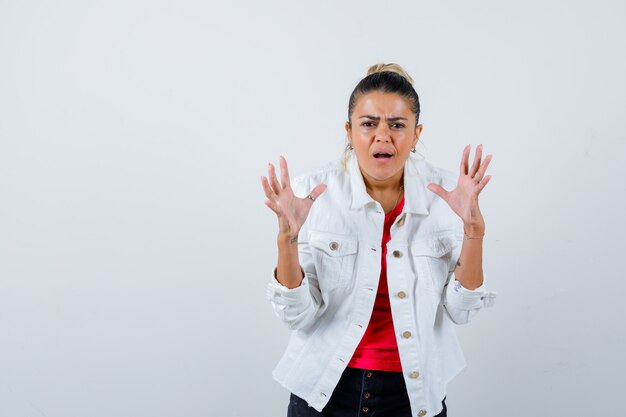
<point x="348" y="131"/>
<point x="418" y="132"/>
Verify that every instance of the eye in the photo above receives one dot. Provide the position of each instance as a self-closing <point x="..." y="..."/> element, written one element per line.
<point x="367" y="124"/>
<point x="397" y="125"/>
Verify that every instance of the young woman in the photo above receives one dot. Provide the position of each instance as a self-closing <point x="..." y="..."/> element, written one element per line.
<point x="376" y="264"/>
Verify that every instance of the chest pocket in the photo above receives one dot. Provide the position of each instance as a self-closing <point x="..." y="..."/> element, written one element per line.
<point x="334" y="256"/>
<point x="432" y="256"/>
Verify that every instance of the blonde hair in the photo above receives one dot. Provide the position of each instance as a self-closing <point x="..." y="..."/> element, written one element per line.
<point x="391" y="67"/>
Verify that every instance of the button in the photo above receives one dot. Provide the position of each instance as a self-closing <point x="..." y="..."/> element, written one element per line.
<point x="365" y="409"/>
<point x="406" y="334"/>
<point x="367" y="395"/>
<point x="414" y="374"/>
<point x="333" y="245"/>
<point x="368" y="374"/>
<point x="401" y="294"/>
<point x="397" y="254"/>
<point x="421" y="413"/>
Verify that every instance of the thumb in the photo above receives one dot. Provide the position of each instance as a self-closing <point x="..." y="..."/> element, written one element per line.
<point x="437" y="189"/>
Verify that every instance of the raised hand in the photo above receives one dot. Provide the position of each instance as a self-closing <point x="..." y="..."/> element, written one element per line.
<point x="292" y="211"/>
<point x="463" y="200"/>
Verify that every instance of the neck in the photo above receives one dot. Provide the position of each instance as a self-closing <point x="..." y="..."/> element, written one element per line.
<point x="387" y="192"/>
<point x="391" y="184"/>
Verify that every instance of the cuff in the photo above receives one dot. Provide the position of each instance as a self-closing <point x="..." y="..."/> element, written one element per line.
<point x="280" y="294"/>
<point x="465" y="299"/>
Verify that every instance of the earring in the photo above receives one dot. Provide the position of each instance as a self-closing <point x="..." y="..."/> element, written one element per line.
<point x="349" y="147"/>
<point x="413" y="150"/>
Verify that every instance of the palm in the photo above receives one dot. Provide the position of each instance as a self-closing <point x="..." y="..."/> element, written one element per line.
<point x="291" y="210"/>
<point x="463" y="199"/>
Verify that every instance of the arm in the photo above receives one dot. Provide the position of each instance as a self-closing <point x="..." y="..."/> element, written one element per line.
<point x="464" y="294"/>
<point x="298" y="307"/>
<point x="294" y="294"/>
<point x="462" y="298"/>
<point x="469" y="267"/>
<point x="288" y="272"/>
<point x="463" y="200"/>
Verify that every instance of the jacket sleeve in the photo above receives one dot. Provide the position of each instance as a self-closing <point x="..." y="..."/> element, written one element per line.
<point x="460" y="303"/>
<point x="298" y="307"/>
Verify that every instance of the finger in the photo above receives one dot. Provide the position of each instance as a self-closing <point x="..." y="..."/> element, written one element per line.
<point x="273" y="207"/>
<point x="483" y="183"/>
<point x="483" y="168"/>
<point x="284" y="172"/>
<point x="269" y="193"/>
<point x="273" y="180"/>
<point x="318" y="190"/>
<point x="437" y="189"/>
<point x="315" y="193"/>
<point x="476" y="164"/>
<point x="464" y="160"/>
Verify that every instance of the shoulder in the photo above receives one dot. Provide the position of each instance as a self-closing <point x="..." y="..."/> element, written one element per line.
<point x="431" y="173"/>
<point x="328" y="174"/>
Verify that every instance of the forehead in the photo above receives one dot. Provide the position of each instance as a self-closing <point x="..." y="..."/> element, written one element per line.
<point x="382" y="104"/>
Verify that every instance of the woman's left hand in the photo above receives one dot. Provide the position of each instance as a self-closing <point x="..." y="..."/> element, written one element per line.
<point x="463" y="200"/>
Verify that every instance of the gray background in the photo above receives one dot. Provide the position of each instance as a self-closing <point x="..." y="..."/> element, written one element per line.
<point x="135" y="246"/>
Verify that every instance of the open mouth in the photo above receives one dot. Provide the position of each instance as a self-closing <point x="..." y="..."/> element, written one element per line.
<point x="382" y="155"/>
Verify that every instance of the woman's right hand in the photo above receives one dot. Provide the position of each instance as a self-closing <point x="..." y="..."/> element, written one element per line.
<point x="292" y="211"/>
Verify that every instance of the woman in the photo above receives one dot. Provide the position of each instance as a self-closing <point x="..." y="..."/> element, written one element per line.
<point x="373" y="270"/>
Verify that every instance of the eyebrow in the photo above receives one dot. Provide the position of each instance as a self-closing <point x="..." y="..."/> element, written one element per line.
<point x="391" y="119"/>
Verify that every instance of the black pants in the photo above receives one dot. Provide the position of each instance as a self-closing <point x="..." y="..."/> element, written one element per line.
<point x="362" y="393"/>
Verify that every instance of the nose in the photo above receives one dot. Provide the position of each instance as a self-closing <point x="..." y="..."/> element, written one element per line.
<point x="382" y="133"/>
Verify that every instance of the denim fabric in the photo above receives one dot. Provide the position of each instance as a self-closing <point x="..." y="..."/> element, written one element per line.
<point x="362" y="393"/>
<point x="340" y="253"/>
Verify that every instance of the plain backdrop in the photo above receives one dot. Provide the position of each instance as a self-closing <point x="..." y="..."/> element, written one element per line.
<point x="134" y="244"/>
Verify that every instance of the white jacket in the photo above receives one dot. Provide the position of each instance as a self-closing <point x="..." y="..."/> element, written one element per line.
<point x="340" y="251"/>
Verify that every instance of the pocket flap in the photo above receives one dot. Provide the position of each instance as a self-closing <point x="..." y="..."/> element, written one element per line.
<point x="435" y="246"/>
<point x="334" y="244"/>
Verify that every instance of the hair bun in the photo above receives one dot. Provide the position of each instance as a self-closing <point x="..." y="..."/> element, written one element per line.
<point x="390" y="68"/>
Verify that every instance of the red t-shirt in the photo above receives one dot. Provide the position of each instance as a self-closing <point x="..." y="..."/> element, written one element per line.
<point x="378" y="349"/>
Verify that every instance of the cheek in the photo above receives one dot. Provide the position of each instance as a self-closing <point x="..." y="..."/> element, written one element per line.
<point x="361" y="151"/>
<point x="407" y="141"/>
<point x="360" y="142"/>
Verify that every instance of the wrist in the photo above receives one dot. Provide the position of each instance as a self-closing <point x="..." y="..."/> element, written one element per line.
<point x="287" y="240"/>
<point x="474" y="231"/>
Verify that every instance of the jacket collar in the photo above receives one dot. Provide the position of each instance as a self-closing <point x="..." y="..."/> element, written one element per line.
<point x="415" y="192"/>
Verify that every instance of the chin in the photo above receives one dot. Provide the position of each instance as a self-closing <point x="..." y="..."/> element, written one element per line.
<point x="382" y="175"/>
